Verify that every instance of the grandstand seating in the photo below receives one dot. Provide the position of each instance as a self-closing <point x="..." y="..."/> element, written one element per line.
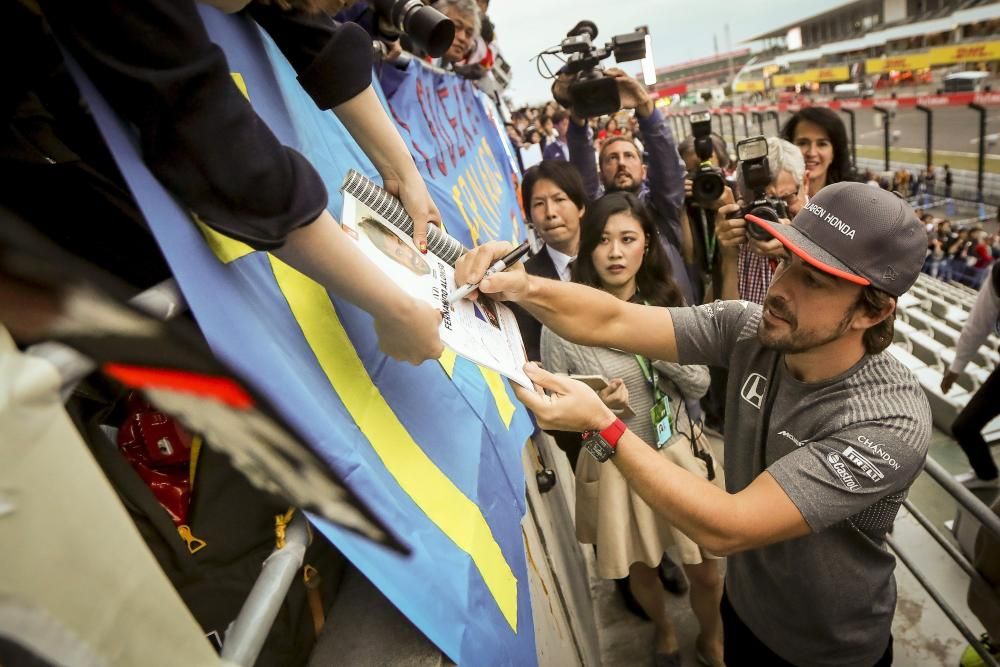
<point x="929" y="321"/>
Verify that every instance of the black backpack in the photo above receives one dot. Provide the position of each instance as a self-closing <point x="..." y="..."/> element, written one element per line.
<point x="232" y="532"/>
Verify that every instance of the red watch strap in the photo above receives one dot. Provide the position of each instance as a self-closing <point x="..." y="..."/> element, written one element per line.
<point x="613" y="433"/>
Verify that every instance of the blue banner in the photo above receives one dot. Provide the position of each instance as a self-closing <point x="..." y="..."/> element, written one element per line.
<point x="434" y="450"/>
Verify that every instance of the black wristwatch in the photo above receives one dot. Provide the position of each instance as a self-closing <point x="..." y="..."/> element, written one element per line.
<point x="602" y="444"/>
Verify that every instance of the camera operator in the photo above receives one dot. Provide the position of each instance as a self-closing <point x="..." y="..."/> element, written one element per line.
<point x="621" y="168"/>
<point x="468" y="23"/>
<point x="747" y="264"/>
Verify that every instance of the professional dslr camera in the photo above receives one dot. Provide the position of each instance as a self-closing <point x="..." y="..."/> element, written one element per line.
<point x="427" y="28"/>
<point x="752" y="154"/>
<point x="707" y="181"/>
<point x="590" y="91"/>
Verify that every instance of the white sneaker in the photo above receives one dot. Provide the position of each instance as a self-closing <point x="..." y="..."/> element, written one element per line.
<point x="970" y="481"/>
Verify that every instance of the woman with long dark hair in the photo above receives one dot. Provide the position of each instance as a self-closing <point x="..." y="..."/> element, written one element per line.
<point x="819" y="133"/>
<point x="620" y="254"/>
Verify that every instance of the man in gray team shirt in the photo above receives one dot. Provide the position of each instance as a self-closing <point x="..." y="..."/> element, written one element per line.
<point x="824" y="431"/>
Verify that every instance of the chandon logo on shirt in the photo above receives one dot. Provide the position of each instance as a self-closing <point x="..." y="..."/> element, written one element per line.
<point x="843" y="473"/>
<point x="753" y="389"/>
<point x="878" y="449"/>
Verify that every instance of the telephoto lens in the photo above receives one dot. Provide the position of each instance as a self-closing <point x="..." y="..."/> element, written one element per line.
<point x="431" y="30"/>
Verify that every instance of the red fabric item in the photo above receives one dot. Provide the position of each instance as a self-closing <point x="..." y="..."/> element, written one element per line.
<point x="220" y="388"/>
<point x="159" y="450"/>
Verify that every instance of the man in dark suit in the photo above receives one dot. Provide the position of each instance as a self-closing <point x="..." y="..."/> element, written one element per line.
<point x="554" y="203"/>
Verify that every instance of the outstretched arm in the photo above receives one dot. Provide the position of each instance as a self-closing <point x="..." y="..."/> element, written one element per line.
<point x="578" y="313"/>
<point x="723" y="523"/>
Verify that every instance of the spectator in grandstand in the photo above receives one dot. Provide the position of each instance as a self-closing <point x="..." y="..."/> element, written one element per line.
<point x="547" y="127"/>
<point x="620" y="167"/>
<point x="520" y="120"/>
<point x="515" y="137"/>
<point x="468" y="23"/>
<point x="985" y="403"/>
<point x="957" y="256"/>
<point x="532" y="135"/>
<point x="558" y="149"/>
<point x="901" y="181"/>
<point x="935" y="258"/>
<point x="820" y="135"/>
<point x="747" y="266"/>
<point x="816" y="470"/>
<point x="611" y="129"/>
<point x="928" y="178"/>
<point x="199" y="135"/>
<point x="619" y="254"/>
<point x="981" y="258"/>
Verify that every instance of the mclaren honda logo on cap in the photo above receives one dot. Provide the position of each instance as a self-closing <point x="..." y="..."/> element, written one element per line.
<point x="831" y="219"/>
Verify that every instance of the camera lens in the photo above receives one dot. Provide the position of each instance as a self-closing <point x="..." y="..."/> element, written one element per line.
<point x="427" y="27"/>
<point x="765" y="213"/>
<point x="707" y="186"/>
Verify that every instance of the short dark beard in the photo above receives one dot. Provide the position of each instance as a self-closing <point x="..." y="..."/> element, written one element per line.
<point x="792" y="345"/>
<point x="611" y="187"/>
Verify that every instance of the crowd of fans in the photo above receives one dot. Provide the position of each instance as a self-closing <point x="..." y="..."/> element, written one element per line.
<point x="962" y="253"/>
<point x="601" y="226"/>
<point x="610" y="199"/>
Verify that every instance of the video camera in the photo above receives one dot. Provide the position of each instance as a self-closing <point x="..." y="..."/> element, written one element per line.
<point x="707" y="181"/>
<point x="428" y="28"/>
<point x="591" y="92"/>
<point x="752" y="154"/>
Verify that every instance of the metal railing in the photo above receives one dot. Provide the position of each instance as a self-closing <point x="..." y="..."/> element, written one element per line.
<point x="989" y="521"/>
<point x="247" y="633"/>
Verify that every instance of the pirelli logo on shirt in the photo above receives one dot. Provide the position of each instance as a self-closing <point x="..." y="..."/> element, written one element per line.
<point x="863" y="464"/>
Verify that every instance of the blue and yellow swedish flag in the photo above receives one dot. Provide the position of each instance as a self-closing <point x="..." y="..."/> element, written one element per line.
<point x="434" y="450"/>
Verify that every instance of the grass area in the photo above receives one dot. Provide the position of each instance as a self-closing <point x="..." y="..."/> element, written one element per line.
<point x="916" y="156"/>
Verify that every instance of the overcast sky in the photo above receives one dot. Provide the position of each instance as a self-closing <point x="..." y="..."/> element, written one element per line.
<point x="681" y="29"/>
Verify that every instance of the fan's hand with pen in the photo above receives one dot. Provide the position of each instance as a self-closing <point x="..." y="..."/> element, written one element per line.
<point x="505" y="285"/>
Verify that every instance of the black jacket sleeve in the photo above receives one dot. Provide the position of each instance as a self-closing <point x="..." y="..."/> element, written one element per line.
<point x="333" y="60"/>
<point x="154" y="62"/>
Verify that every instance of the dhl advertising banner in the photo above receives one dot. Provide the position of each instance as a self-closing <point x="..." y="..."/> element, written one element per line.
<point x="974" y="52"/>
<point x="898" y="63"/>
<point x="818" y="75"/>
<point x="752" y="86"/>
<point x="434" y="450"/>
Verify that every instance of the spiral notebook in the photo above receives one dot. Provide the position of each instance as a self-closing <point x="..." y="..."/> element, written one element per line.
<point x="483" y="331"/>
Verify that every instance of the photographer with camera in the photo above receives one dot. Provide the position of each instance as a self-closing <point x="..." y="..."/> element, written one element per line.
<point x="620" y="166"/>
<point x="465" y="15"/>
<point x="706" y="188"/>
<point x="589" y="91"/>
<point x="770" y="176"/>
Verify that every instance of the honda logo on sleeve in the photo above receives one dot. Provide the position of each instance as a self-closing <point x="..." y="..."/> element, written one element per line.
<point x="753" y="389"/>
